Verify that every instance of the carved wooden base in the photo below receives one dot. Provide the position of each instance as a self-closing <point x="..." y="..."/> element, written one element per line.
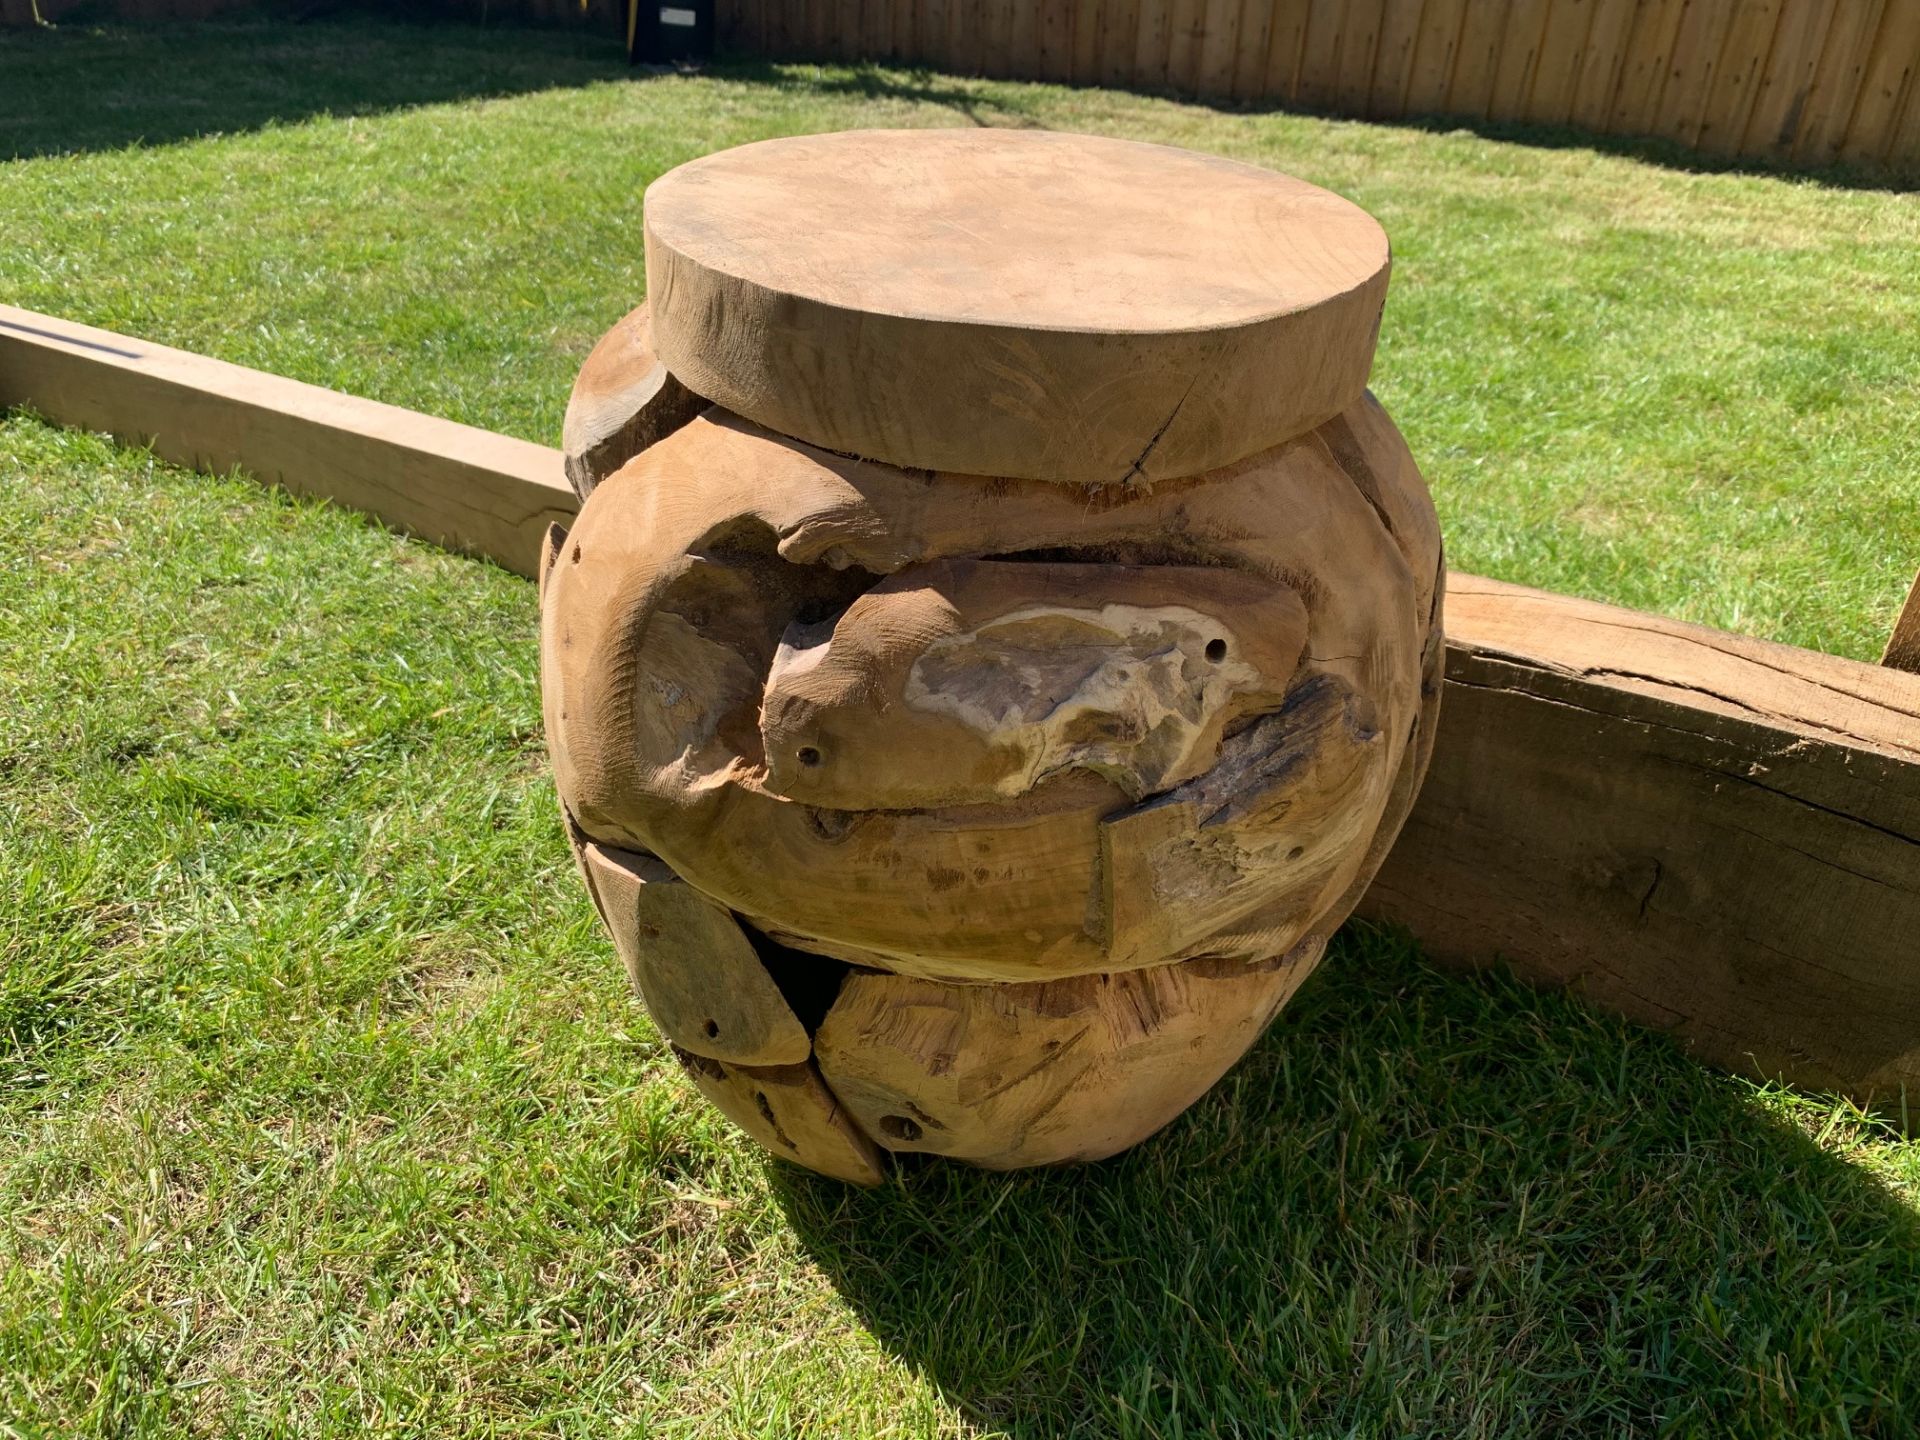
<point x="988" y="817"/>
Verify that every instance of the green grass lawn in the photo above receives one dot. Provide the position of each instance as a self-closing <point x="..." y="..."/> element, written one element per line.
<point x="1693" y="393"/>
<point x="323" y="1106"/>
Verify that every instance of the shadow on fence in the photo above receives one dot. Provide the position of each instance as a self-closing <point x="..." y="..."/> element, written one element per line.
<point x="1417" y="1207"/>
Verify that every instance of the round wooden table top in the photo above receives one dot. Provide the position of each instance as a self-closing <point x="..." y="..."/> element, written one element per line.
<point x="1013" y="302"/>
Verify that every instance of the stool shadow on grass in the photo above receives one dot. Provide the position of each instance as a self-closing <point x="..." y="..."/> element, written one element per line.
<point x="1424" y="1203"/>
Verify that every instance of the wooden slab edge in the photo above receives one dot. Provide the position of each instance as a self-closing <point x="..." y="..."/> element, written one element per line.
<point x="1710" y="834"/>
<point x="1903" y="645"/>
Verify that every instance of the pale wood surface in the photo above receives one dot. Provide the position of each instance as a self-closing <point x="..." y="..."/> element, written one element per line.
<point x="1709" y="834"/>
<point x="947" y="299"/>
<point x="623" y="401"/>
<point x="692" y="963"/>
<point x="1042" y="1074"/>
<point x="467" y="489"/>
<point x="719" y="542"/>
<point x="1011" y="673"/>
<point x="791" y="1112"/>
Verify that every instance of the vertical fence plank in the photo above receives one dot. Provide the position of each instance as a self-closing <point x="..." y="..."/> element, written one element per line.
<point x="1563" y="44"/>
<point x="1120" y="42"/>
<point x="1153" y="43"/>
<point x="996" y="37"/>
<point x="1434" y="55"/>
<point x="967" y="25"/>
<point x="1023" y="40"/>
<point x="854" y="29"/>
<point x="829" y="26"/>
<point x="906" y="30"/>
<point x="1885" y="85"/>
<point x="1519" y="58"/>
<point x="933" y="35"/>
<point x="1286" y="43"/>
<point x="1691" y="67"/>
<point x="1393" y="58"/>
<point x="1786" y="78"/>
<point x="1903" y="147"/>
<point x="1482" y="34"/>
<point x="1219" y="45"/>
<point x="1638" y="96"/>
<point x="1053" y="39"/>
<point x="1089" y="37"/>
<point x="1836" y="84"/>
<point x="768" y="32"/>
<point x="1318" y="82"/>
<point x="1736" y="78"/>
<point x="873" y="33"/>
<point x="1187" y="31"/>
<point x="1599" y="73"/>
<point x="1359" y="48"/>
<point x="811" y="23"/>
<point x="1250" y="58"/>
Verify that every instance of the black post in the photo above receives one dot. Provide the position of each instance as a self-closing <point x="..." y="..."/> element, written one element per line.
<point x="666" y="32"/>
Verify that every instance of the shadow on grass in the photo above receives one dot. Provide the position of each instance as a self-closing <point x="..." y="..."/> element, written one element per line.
<point x="1424" y="1204"/>
<point x="74" y="88"/>
<point x="907" y="82"/>
<point x="1667" y="154"/>
<point x="868" y="82"/>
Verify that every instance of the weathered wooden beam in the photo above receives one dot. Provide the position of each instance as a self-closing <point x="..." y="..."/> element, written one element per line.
<point x="1903" y="645"/>
<point x="468" y="489"/>
<point x="1709" y="834"/>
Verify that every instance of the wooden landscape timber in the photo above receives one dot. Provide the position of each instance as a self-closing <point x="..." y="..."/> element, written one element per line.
<point x="1712" y="835"/>
<point x="1788" y="863"/>
<point x="468" y="489"/>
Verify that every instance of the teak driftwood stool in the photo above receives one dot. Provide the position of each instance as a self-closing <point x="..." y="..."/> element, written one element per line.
<point x="1002" y="635"/>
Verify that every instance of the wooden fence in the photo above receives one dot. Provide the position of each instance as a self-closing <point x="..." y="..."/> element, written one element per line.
<point x="1808" y="83"/>
<point x="1805" y="82"/>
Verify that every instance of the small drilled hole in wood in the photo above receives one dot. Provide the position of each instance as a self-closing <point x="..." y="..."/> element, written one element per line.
<point x="1216" y="651"/>
<point x="1296" y="852"/>
<point x="713" y="1029"/>
<point x="576" y="554"/>
<point x="808" y="756"/>
<point x="899" y="1127"/>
